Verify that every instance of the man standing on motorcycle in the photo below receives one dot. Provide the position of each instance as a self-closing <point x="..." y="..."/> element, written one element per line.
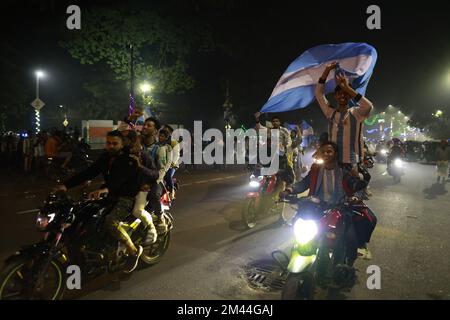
<point x="120" y="172"/>
<point x="345" y="124"/>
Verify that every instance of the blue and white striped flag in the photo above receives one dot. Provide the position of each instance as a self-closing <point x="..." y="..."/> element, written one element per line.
<point x="295" y="89"/>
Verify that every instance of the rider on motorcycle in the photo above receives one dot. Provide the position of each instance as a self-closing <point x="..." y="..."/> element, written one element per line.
<point x="330" y="182"/>
<point x="396" y="151"/>
<point x="322" y="180"/>
<point x="120" y="172"/>
<point x="286" y="172"/>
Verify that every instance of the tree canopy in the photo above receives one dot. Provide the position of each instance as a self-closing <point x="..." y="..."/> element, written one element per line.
<point x="161" y="45"/>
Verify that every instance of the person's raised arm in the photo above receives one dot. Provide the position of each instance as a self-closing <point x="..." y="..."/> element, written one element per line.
<point x="258" y="121"/>
<point x="365" y="106"/>
<point x="320" y="93"/>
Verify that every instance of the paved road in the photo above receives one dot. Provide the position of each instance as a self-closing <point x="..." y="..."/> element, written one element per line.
<point x="210" y="249"/>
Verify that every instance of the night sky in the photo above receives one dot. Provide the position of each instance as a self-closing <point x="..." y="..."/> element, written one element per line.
<point x="262" y="39"/>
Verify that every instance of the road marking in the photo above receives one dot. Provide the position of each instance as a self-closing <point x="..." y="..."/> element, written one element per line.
<point x="210" y="180"/>
<point x="32" y="193"/>
<point x="201" y="181"/>
<point x="27" y="211"/>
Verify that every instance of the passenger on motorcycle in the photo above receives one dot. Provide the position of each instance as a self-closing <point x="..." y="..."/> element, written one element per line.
<point x="174" y="165"/>
<point x="158" y="153"/>
<point x="147" y="176"/>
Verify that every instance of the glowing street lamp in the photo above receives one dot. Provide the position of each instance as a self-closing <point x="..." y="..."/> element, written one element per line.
<point x="145" y="87"/>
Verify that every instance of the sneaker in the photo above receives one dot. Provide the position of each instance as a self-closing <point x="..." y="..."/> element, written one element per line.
<point x="134" y="260"/>
<point x="364" y="253"/>
<point x="151" y="235"/>
<point x="161" y="225"/>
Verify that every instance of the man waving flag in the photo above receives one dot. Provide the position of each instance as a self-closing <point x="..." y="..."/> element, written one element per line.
<point x="295" y="89"/>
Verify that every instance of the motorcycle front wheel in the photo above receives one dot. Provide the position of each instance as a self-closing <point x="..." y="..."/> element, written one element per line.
<point x="17" y="283"/>
<point x="298" y="286"/>
<point x="249" y="213"/>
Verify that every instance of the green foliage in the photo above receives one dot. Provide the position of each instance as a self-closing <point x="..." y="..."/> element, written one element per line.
<point x="161" y="46"/>
<point x="14" y="107"/>
<point x="439" y="128"/>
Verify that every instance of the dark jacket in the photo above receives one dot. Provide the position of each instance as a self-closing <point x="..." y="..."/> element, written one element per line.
<point x="120" y="173"/>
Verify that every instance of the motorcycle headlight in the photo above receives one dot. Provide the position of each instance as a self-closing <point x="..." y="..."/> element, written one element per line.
<point x="43" y="220"/>
<point x="318" y="161"/>
<point x="383" y="152"/>
<point x="254" y="184"/>
<point x="305" y="230"/>
<point x="398" y="163"/>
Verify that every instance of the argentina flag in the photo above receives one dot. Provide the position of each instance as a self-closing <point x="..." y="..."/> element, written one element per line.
<point x="295" y="89"/>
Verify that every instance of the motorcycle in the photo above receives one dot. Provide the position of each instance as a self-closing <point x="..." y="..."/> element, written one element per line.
<point x="259" y="200"/>
<point x="323" y="252"/>
<point x="395" y="168"/>
<point x="73" y="234"/>
<point x="381" y="155"/>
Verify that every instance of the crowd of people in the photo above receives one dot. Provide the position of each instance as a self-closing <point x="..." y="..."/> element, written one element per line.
<point x="29" y="153"/>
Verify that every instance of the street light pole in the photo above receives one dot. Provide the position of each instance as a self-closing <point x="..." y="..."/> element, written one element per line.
<point x="39" y="74"/>
<point x="37" y="85"/>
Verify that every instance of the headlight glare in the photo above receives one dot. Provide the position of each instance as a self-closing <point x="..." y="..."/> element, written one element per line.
<point x="254" y="184"/>
<point x="305" y="230"/>
<point x="398" y="163"/>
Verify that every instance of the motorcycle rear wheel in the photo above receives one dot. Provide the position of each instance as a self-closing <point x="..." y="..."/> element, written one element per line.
<point x="153" y="253"/>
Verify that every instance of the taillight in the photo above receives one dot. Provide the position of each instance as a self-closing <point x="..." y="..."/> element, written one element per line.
<point x="165" y="198"/>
